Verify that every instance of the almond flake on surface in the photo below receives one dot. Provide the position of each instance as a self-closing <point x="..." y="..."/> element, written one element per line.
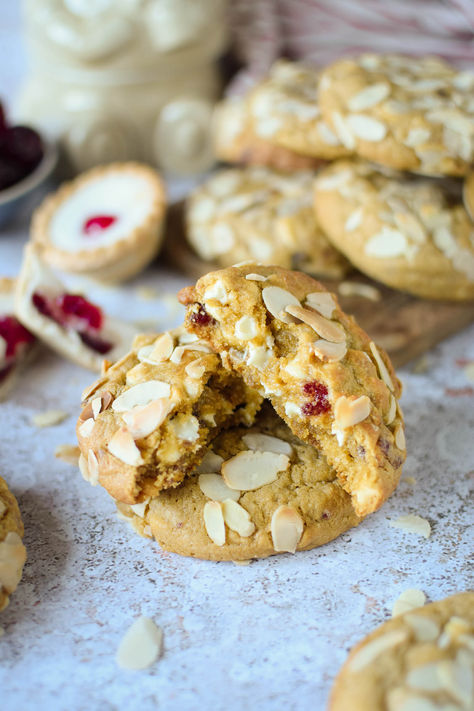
<point x="186" y="337"/>
<point x="141" y="394"/>
<point x="408" y="600"/>
<point x="211" y="462"/>
<point x="400" y="438"/>
<point x="349" y="412"/>
<point x="354" y="288"/>
<point x="123" y="447"/>
<point x="328" y="330"/>
<point x="277" y="300"/>
<point x="286" y="529"/>
<point x="369" y="652"/>
<point x="214" y="522"/>
<point x="237" y="518"/>
<point x="85" y="429"/>
<point x="382" y="368"/>
<point x="255" y="277"/>
<point x="323" y="302"/>
<point x="83" y="467"/>
<point x="141" y="645"/>
<point x="458" y="680"/>
<point x="344" y="134"/>
<point x="259" y="442"/>
<point x="195" y="369"/>
<point x="354" y="220"/>
<point x="329" y="352"/>
<point x="412" y="524"/>
<point x="141" y="421"/>
<point x="424" y="628"/>
<point x="49" y="418"/>
<point x="246" y="328"/>
<point x="250" y="470"/>
<point x="214" y="487"/>
<point x="179" y="351"/>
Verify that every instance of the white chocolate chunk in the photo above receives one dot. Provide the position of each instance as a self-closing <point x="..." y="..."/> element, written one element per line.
<point x="141" y="645"/>
<point x="186" y="427"/>
<point x="237" y="518"/>
<point x="286" y="529"/>
<point x="214" y="487"/>
<point x="250" y="470"/>
<point x="413" y="524"/>
<point x="214" y="522"/>
<point x="141" y="394"/>
<point x="246" y="328"/>
<point x="259" y="442"/>
<point x="218" y="292"/>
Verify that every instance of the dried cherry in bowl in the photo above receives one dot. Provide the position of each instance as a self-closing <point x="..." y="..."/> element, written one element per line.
<point x="15" y="196"/>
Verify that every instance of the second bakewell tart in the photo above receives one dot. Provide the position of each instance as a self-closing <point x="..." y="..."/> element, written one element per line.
<point x="107" y="223"/>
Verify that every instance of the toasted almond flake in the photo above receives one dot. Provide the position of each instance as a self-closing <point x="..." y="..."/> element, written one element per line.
<point x="366" y="128"/>
<point x="323" y="302"/>
<point x="343" y="131"/>
<point x="409" y="480"/>
<point x="141" y="394"/>
<point x="179" y="351"/>
<point x="49" y="418"/>
<point x="354" y="220"/>
<point x="458" y="680"/>
<point x="382" y="368"/>
<point x="401" y="699"/>
<point x="349" y="412"/>
<point x="214" y="522"/>
<point x="412" y="524"/>
<point x="85" y="430"/>
<point x="329" y="352"/>
<point x="186" y="427"/>
<point x="392" y="411"/>
<point x="161" y="349"/>
<point x="83" y="467"/>
<point x="237" y="518"/>
<point x="141" y="645"/>
<point x="250" y="470"/>
<point x="124" y="448"/>
<point x="140" y="509"/>
<point x="145" y="419"/>
<point x="255" y="277"/>
<point x="286" y="528"/>
<point x="354" y="288"/>
<point x="211" y="462"/>
<point x="370" y="96"/>
<point x="424" y="628"/>
<point x="93" y="467"/>
<point x="68" y="453"/>
<point x="258" y="442"/>
<point x="456" y="627"/>
<point x="424" y="678"/>
<point x="328" y="330"/>
<point x="246" y="328"/>
<point x="276" y="300"/>
<point x="408" y="600"/>
<point x="214" y="487"/>
<point x="96" y="406"/>
<point x="400" y="438"/>
<point x="195" y="369"/>
<point x="386" y="244"/>
<point x="469" y="372"/>
<point x="369" y="652"/>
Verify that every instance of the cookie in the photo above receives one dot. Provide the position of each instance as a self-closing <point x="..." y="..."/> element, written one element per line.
<point x="290" y="498"/>
<point x="258" y="214"/>
<point x="68" y="323"/>
<point x="419" y="661"/>
<point x="468" y="195"/>
<point x="236" y="142"/>
<point x="12" y="550"/>
<point x="17" y="344"/>
<point x="107" y="223"/>
<point x="403" y="112"/>
<point x="284" y="109"/>
<point x="147" y="422"/>
<point x="287" y="337"/>
<point x="410" y="233"/>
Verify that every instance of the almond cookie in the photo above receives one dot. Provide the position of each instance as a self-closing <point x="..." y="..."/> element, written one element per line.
<point x="410" y="233"/>
<point x="107" y="223"/>
<point x="403" y="112"/>
<point x="259" y="214"/>
<point x="236" y="142"/>
<point x="287" y="336"/>
<point x="420" y="661"/>
<point x="70" y="324"/>
<point x="284" y="110"/>
<point x="12" y="550"/>
<point x="16" y="342"/>
<point x="257" y="492"/>
<point x="147" y="422"/>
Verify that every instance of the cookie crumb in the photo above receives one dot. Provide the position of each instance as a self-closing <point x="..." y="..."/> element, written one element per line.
<point x="67" y="453"/>
<point x="141" y="645"/>
<point x="408" y="601"/>
<point x="469" y="372"/>
<point x="49" y="418"/>
<point x="412" y="524"/>
<point x="355" y="288"/>
<point x="410" y="480"/>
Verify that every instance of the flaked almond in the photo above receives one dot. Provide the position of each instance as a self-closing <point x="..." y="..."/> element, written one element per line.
<point x="141" y="645"/>
<point x="329" y="352"/>
<point x="400" y="438"/>
<point x="211" y="462"/>
<point x="368" y="97"/>
<point x="157" y="352"/>
<point x="251" y="470"/>
<point x="214" y="487"/>
<point x="286" y="529"/>
<point x="83" y="467"/>
<point x="124" y="448"/>
<point x="277" y="300"/>
<point x="382" y="368"/>
<point x="413" y="524"/>
<point x="350" y="411"/>
<point x="237" y="518"/>
<point x="179" y="351"/>
<point x="328" y="330"/>
<point x="259" y="442"/>
<point x="141" y="394"/>
<point x="140" y="509"/>
<point x="424" y="628"/>
<point x="145" y="419"/>
<point x="392" y="411"/>
<point x="96" y="406"/>
<point x="49" y="418"/>
<point x="85" y="429"/>
<point x="255" y="277"/>
<point x="323" y="302"/>
<point x="366" y="127"/>
<point x="354" y="288"/>
<point x="93" y="467"/>
<point x="214" y="522"/>
<point x="408" y="600"/>
<point x="195" y="369"/>
<point x="68" y="453"/>
<point x="369" y="652"/>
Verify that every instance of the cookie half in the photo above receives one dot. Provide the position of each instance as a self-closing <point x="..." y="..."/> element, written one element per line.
<point x="288" y="338"/>
<point x="107" y="223"/>
<point x="12" y="550"/>
<point x="406" y="113"/>
<point x="260" y="215"/>
<point x="16" y="342"/>
<point x="411" y="233"/>
<point x="290" y="498"/>
<point x="421" y="660"/>
<point x="147" y="422"/>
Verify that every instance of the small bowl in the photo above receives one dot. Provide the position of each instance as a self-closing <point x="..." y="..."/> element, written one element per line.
<point x="12" y="198"/>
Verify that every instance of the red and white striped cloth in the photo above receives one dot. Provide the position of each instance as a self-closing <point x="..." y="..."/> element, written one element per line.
<point x="320" y="31"/>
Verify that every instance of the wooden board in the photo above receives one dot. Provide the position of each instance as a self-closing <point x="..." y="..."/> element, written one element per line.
<point x="404" y="325"/>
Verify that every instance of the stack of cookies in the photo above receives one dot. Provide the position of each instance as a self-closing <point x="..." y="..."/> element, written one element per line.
<point x="365" y="160"/>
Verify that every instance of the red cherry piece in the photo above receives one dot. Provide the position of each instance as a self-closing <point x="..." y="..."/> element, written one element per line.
<point x="201" y="317"/>
<point x="98" y="223"/>
<point x="14" y="334"/>
<point x="319" y="403"/>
